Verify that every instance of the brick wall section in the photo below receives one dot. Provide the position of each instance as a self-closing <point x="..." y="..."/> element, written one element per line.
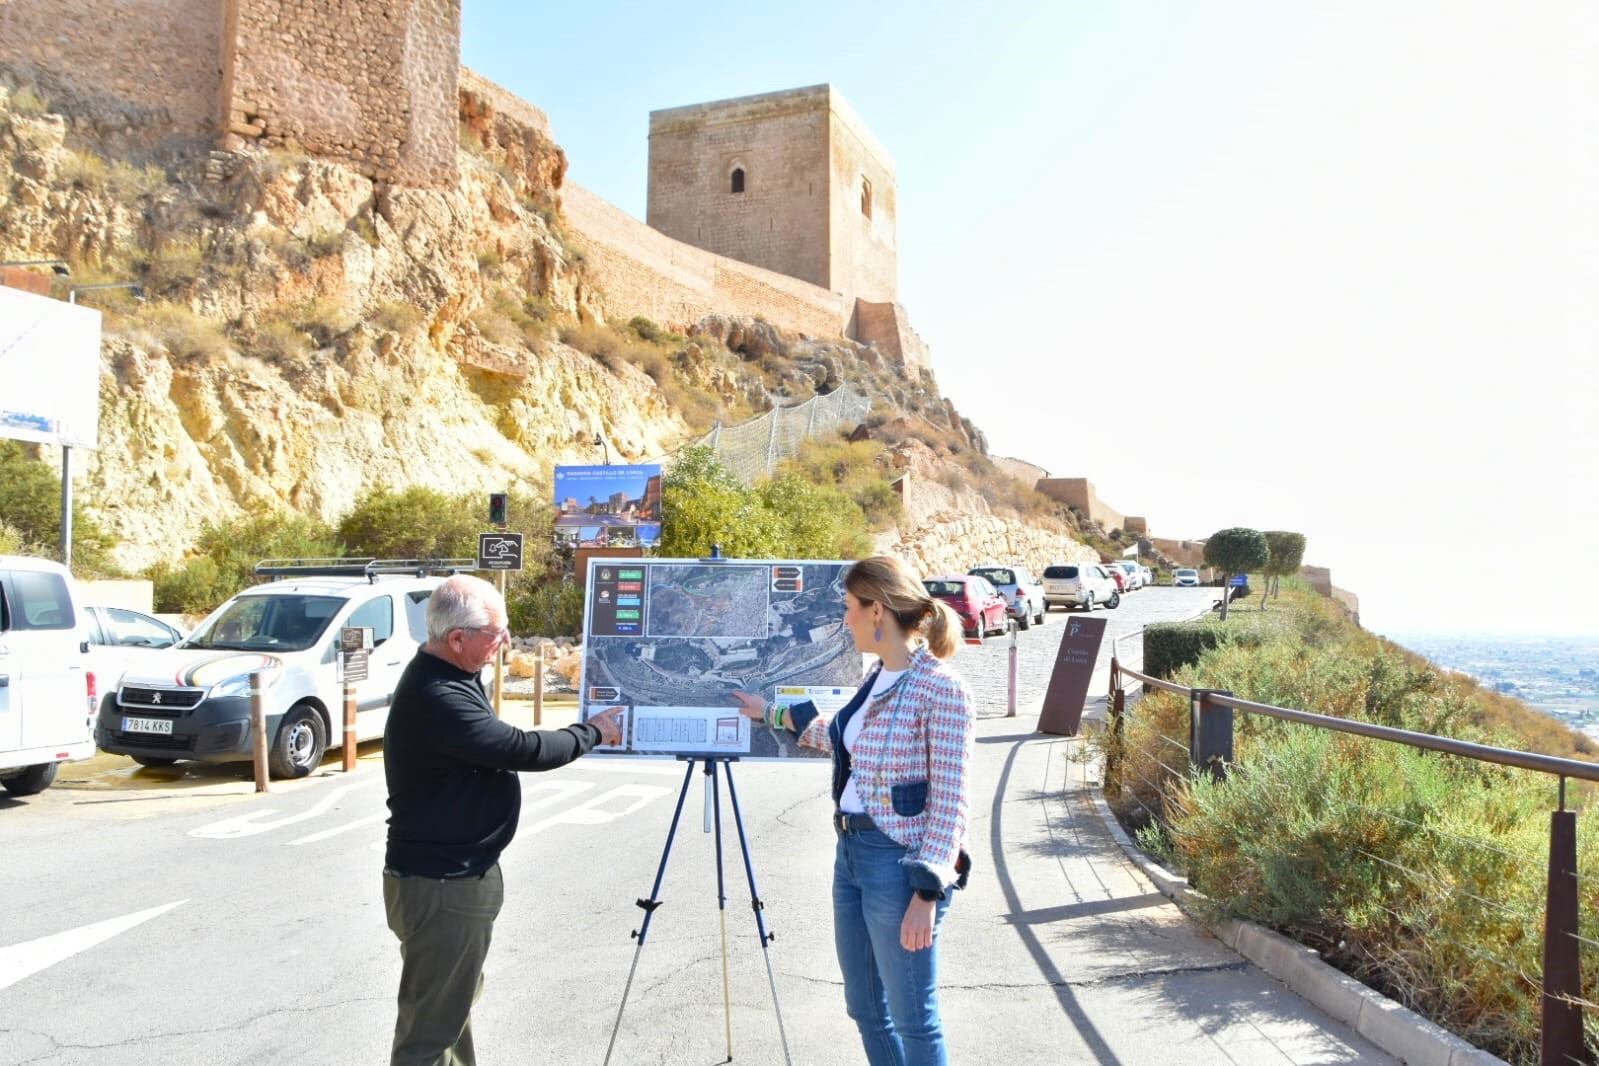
<point x="862" y="248"/>
<point x="370" y="82"/>
<point x="1078" y="492"/>
<point x="779" y="140"/>
<point x="151" y="66"/>
<point x="643" y="272"/>
<point x="888" y="326"/>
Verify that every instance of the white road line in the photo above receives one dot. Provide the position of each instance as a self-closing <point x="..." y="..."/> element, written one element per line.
<point x="557" y="790"/>
<point x="630" y="764"/>
<point x="336" y="830"/>
<point x="248" y="825"/>
<point x="593" y="812"/>
<point x="26" y="959"/>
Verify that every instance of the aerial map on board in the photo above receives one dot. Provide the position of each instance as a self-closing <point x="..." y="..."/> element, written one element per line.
<point x="670" y="640"/>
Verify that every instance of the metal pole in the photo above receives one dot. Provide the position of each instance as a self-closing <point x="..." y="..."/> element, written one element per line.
<point x="721" y="907"/>
<point x="66" y="507"/>
<point x="349" y="726"/>
<point x="499" y="657"/>
<point x="1010" y="693"/>
<point x="1560" y="1039"/>
<point x="757" y="906"/>
<point x="538" y="687"/>
<point x="258" y="730"/>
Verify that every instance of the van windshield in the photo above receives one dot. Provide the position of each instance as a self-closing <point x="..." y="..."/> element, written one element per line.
<point x="267" y="623"/>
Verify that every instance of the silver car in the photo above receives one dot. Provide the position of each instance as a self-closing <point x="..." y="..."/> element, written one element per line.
<point x="1024" y="596"/>
<point x="1079" y="585"/>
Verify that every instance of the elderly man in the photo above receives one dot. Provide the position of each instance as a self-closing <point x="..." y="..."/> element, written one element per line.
<point x="454" y="799"/>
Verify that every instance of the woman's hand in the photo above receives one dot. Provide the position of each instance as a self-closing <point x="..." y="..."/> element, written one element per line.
<point x="750" y="705"/>
<point x="916" y="931"/>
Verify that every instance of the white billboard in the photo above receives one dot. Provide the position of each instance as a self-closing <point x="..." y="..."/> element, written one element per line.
<point x="49" y="370"/>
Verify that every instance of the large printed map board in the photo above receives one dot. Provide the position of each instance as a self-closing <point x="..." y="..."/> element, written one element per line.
<point x="670" y="640"/>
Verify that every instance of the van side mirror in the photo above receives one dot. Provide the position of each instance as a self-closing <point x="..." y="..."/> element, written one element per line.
<point x="83" y="646"/>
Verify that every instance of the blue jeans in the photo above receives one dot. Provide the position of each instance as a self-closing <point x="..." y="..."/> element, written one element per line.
<point x="891" y="993"/>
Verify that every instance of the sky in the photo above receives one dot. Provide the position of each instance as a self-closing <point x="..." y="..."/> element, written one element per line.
<point x="1280" y="264"/>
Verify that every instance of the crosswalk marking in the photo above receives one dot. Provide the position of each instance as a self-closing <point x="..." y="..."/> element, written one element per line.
<point x="594" y="812"/>
<point x="248" y="825"/>
<point x="26" y="959"/>
<point x="336" y="830"/>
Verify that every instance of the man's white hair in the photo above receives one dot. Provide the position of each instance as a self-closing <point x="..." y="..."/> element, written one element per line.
<point x="461" y="602"/>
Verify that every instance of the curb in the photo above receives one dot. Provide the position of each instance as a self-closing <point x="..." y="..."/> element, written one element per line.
<point x="1396" y="1029"/>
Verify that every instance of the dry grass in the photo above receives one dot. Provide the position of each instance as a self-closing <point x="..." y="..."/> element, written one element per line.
<point x="183" y="333"/>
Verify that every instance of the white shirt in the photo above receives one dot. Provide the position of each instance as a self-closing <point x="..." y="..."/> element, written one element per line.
<point x="850" y="802"/>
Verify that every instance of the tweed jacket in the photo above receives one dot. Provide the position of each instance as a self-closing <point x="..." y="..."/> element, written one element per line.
<point x="910" y="763"/>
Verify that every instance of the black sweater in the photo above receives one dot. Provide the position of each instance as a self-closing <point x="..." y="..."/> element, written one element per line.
<point x="454" y="797"/>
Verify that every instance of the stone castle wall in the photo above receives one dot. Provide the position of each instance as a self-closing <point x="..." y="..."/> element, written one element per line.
<point x="370" y="82"/>
<point x="641" y="271"/>
<point x="862" y="248"/>
<point x="779" y="140"/>
<point x="149" y="68"/>
<point x="888" y="326"/>
<point x="1079" y="492"/>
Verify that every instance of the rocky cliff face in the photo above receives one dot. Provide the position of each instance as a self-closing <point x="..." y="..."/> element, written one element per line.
<point x="311" y="334"/>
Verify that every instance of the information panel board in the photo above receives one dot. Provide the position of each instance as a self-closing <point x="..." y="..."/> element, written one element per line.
<point x="49" y="370"/>
<point x="670" y="641"/>
<point x="608" y="506"/>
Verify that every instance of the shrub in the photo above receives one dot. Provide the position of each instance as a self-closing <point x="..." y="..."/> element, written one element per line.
<point x="27" y="101"/>
<point x="1169" y="646"/>
<point x="396" y="316"/>
<point x="325" y="242"/>
<point x="550" y="608"/>
<point x="30" y="514"/>
<point x="173" y="267"/>
<point x="281" y="342"/>
<point x="224" y="558"/>
<point x="366" y="228"/>
<point x="85" y="171"/>
<point x="183" y="333"/>
<point x="413" y="523"/>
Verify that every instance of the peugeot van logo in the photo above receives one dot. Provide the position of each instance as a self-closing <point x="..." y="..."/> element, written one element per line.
<point x="155" y="697"/>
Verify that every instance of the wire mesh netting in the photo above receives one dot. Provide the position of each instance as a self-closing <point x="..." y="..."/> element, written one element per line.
<point x="752" y="450"/>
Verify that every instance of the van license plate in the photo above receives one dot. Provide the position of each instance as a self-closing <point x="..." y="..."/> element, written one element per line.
<point x="147" y="725"/>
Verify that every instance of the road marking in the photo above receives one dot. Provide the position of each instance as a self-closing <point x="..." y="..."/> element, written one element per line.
<point x="248" y="825"/>
<point x="557" y="790"/>
<point x="593" y="812"/>
<point x="336" y="830"/>
<point x="631" y="764"/>
<point x="26" y="959"/>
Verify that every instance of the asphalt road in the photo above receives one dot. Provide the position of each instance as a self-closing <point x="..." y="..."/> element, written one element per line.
<point x="198" y="923"/>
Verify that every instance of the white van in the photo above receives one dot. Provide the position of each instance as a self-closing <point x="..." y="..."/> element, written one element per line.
<point x="47" y="691"/>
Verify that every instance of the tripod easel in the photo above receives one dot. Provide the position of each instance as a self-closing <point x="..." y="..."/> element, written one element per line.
<point x="714" y="766"/>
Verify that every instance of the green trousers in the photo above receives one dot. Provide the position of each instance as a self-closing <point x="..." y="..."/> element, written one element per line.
<point x="444" y="929"/>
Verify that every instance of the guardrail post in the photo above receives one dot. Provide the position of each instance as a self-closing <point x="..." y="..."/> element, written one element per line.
<point x="1210" y="737"/>
<point x="258" y="731"/>
<point x="1560" y="1038"/>
<point x="1118" y="716"/>
<point x="1010" y="689"/>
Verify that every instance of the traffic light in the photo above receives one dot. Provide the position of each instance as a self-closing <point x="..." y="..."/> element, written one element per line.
<point x="497" y="508"/>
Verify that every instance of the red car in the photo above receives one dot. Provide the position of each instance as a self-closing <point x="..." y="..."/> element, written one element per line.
<point x="981" y="609"/>
<point x="1117" y="574"/>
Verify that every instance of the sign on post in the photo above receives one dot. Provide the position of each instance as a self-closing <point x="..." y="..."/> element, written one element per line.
<point x="1238" y="581"/>
<point x="1068" y="682"/>
<point x="499" y="551"/>
<point x="355" y="645"/>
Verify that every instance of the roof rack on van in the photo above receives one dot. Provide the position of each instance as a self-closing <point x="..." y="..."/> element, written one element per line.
<point x="366" y="567"/>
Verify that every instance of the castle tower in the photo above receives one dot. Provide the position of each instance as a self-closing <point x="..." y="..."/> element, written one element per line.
<point x="792" y="181"/>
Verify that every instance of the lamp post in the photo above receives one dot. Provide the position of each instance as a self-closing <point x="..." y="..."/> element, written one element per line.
<point x="66" y="451"/>
<point x="599" y="442"/>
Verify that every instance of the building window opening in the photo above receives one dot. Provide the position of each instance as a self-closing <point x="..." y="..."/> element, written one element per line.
<point x="866" y="198"/>
<point x="738" y="179"/>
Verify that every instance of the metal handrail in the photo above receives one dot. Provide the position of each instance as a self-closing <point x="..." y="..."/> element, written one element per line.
<point x="1152" y="682"/>
<point x="1526" y="760"/>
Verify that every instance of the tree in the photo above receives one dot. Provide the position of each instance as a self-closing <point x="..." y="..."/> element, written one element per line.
<point x="702" y="504"/>
<point x="1235" y="551"/>
<point x="1287" y="553"/>
<point x="224" y="558"/>
<point x="30" y="512"/>
<point x="414" y="523"/>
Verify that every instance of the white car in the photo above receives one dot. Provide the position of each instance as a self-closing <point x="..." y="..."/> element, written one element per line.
<point x="1185" y="577"/>
<point x="1133" y="573"/>
<point x="192" y="701"/>
<point x="120" y="638"/>
<point x="1079" y="585"/>
<point x="1024" y="596"/>
<point x="47" y="690"/>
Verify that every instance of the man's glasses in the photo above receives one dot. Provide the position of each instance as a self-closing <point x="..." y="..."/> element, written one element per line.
<point x="499" y="633"/>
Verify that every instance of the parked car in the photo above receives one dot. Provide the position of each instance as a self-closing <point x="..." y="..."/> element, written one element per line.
<point x="1149" y="575"/>
<point x="1024" y="596"/>
<point x="1133" y="572"/>
<point x="47" y="690"/>
<point x="120" y="638"/>
<point x="1116" y="575"/>
<point x="192" y="701"/>
<point x="982" y="610"/>
<point x="1079" y="585"/>
<point x="1185" y="577"/>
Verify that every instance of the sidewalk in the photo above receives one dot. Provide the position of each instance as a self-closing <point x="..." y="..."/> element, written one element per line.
<point x="1135" y="980"/>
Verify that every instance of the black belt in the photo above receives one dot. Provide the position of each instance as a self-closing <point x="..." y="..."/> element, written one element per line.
<point x="389" y="871"/>
<point x="844" y="822"/>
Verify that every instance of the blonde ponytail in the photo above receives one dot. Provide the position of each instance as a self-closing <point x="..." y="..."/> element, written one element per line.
<point x="886" y="580"/>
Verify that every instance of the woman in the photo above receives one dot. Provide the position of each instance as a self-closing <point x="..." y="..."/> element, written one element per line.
<point x="900" y="750"/>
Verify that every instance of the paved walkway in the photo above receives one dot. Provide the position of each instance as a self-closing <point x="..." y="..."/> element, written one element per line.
<point x="1139" y="982"/>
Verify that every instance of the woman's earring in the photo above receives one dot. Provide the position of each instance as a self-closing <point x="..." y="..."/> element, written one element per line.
<point x="877" y="635"/>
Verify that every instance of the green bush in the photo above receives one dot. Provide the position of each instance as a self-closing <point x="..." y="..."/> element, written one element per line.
<point x="30" y="515"/>
<point x="224" y="558"/>
<point x="413" y="523"/>
<point x="549" y="608"/>
<point x="1169" y="646"/>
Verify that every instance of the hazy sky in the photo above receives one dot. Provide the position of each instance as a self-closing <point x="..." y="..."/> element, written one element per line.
<point x="1323" y="267"/>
